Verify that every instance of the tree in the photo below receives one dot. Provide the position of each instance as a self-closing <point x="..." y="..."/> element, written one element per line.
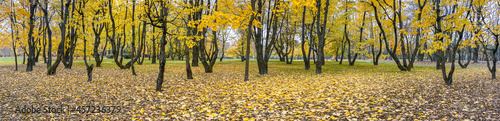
<point x="305" y="56"/>
<point x="445" y="24"/>
<point x="158" y="13"/>
<point x="490" y="20"/>
<point x="64" y="13"/>
<point x="249" y="36"/>
<point x="48" y="31"/>
<point x="286" y="22"/>
<point x="97" y="29"/>
<point x="80" y="10"/>
<point x="396" y="18"/>
<point x="224" y="35"/>
<point x="321" y="31"/>
<point x="153" y="61"/>
<point x="31" y="40"/>
<point x="13" y="27"/>
<point x="207" y="56"/>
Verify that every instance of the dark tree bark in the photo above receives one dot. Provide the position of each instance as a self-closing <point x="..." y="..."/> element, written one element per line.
<point x="196" y="55"/>
<point x="208" y="58"/>
<point x="117" y="45"/>
<point x="70" y="50"/>
<point x="442" y="56"/>
<point x="249" y="36"/>
<point x="493" y="66"/>
<point x="44" y="54"/>
<point x="60" y="50"/>
<point x="13" y="21"/>
<point x="352" y="60"/>
<point x="38" y="49"/>
<point x="133" y="41"/>
<point x="469" y="51"/>
<point x="153" y="61"/>
<point x="158" y="17"/>
<point x="342" y="51"/>
<point x="223" y="49"/>
<point x="263" y="49"/>
<point x="24" y="56"/>
<point x="171" y="51"/>
<point x="142" y="45"/>
<point x="475" y="56"/>
<point x="159" y="81"/>
<point x="189" y="72"/>
<point x="91" y="67"/>
<point x="377" y="56"/>
<point x="242" y="56"/>
<point x="13" y="43"/>
<point x="31" y="40"/>
<point x="97" y="29"/>
<point x="321" y="30"/>
<point x="391" y="52"/>
<point x="417" y="38"/>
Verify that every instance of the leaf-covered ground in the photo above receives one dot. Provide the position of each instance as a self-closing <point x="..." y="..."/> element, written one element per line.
<point x="363" y="92"/>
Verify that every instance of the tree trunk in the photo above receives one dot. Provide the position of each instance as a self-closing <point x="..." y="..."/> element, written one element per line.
<point x="392" y="52"/>
<point x="249" y="36"/>
<point x="44" y="54"/>
<point x="492" y="67"/>
<point x="475" y="56"/>
<point x="377" y="56"/>
<point x="24" y="57"/>
<point x="159" y="81"/>
<point x="153" y="61"/>
<point x="223" y="47"/>
<point x="342" y="52"/>
<point x="189" y="73"/>
<point x="196" y="54"/>
<point x="31" y="40"/>
<point x="321" y="35"/>
<point x="307" y="62"/>
<point x="12" y="35"/>
<point x="60" y="49"/>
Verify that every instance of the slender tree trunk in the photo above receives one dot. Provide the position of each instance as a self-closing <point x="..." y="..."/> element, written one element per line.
<point x="60" y="49"/>
<point x="132" y="55"/>
<point x="491" y="67"/>
<point x="44" y="54"/>
<point x="153" y="61"/>
<point x="31" y="39"/>
<point x="304" y="55"/>
<point x="249" y="36"/>
<point x="196" y="54"/>
<point x="91" y="67"/>
<point x="342" y="52"/>
<point x="223" y="47"/>
<point x="24" y="57"/>
<point x="159" y="81"/>
<point x="189" y="73"/>
<point x="321" y="35"/>
<point x="13" y="40"/>
<point x="475" y="56"/>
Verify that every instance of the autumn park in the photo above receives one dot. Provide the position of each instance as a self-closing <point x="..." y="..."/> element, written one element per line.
<point x="249" y="60"/>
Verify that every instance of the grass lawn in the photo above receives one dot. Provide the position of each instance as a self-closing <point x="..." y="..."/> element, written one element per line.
<point x="342" y="92"/>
